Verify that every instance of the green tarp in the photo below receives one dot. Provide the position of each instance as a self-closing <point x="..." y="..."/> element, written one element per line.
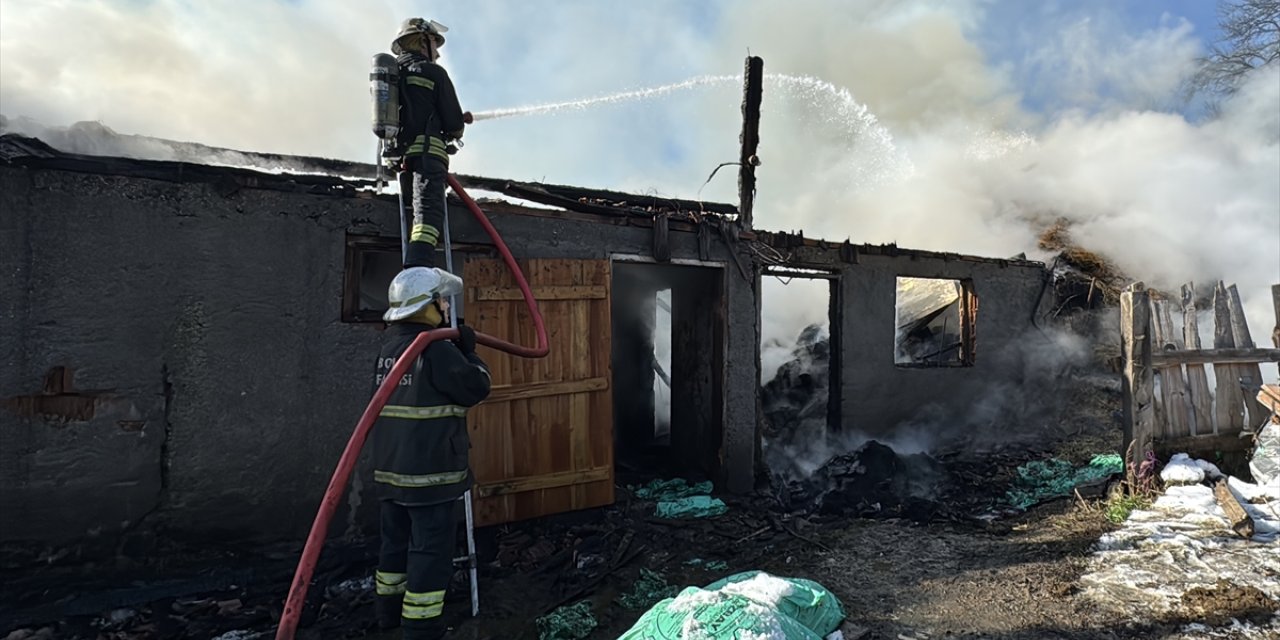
<point x="669" y="489"/>
<point x="567" y="623"/>
<point x="648" y="589"/>
<point x="1040" y="480"/>
<point x="752" y="604"/>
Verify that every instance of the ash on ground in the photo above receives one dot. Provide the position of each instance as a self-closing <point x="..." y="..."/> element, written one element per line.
<point x="963" y="473"/>
<point x="816" y="473"/>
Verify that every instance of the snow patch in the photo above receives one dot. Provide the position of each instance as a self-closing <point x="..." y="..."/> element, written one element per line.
<point x="1183" y="541"/>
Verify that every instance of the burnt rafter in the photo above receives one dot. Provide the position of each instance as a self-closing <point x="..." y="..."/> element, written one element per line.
<point x="850" y="253"/>
<point x="599" y="200"/>
<point x="325" y="176"/>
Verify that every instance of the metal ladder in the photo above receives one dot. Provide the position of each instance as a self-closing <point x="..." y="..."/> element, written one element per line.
<point x="469" y="560"/>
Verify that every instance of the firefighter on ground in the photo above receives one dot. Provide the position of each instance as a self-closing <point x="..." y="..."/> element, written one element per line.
<point x="431" y="120"/>
<point x="420" y="452"/>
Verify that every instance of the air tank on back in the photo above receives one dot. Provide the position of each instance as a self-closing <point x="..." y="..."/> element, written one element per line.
<point x="384" y="92"/>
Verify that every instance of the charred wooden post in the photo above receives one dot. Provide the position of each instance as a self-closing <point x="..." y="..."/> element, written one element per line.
<point x="1237" y="517"/>
<point x="752" y="92"/>
<point x="1139" y="378"/>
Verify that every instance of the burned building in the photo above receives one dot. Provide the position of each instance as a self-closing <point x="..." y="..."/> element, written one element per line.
<point x="188" y="346"/>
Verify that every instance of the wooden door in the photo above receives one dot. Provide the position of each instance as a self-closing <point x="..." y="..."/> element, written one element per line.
<point x="542" y="442"/>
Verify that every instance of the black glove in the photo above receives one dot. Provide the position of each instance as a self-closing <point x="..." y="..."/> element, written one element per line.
<point x="466" y="340"/>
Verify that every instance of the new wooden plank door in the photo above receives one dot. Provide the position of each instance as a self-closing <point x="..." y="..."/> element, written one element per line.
<point x="542" y="443"/>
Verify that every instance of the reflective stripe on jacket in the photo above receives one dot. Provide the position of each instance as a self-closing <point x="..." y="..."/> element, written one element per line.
<point x="420" y="441"/>
<point x="429" y="111"/>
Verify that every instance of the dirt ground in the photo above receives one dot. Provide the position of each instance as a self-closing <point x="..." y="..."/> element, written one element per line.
<point x="1011" y="579"/>
<point x="965" y="573"/>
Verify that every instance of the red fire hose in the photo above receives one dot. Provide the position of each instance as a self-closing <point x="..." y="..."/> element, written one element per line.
<point x="342" y="474"/>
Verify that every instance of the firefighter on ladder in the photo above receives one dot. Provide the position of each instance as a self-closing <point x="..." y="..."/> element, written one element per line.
<point x="432" y="125"/>
<point x="420" y="452"/>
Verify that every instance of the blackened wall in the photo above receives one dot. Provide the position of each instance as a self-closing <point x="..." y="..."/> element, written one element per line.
<point x="880" y="399"/>
<point x="204" y="326"/>
<point x="212" y="381"/>
<point x="877" y="395"/>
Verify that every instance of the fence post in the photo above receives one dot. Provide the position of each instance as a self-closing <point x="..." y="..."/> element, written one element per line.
<point x="1138" y="383"/>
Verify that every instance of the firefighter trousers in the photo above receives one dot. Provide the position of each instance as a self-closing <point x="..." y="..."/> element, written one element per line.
<point x="425" y="229"/>
<point x="415" y="565"/>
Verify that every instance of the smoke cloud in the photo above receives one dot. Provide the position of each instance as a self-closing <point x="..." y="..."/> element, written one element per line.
<point x="966" y="154"/>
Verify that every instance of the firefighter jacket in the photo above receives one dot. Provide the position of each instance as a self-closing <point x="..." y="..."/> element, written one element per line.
<point x="430" y="115"/>
<point x="420" y="441"/>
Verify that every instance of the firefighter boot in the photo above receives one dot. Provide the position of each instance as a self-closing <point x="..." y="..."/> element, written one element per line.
<point x="433" y="629"/>
<point x="387" y="610"/>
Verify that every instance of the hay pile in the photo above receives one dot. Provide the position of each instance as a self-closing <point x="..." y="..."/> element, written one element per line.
<point x="1083" y="279"/>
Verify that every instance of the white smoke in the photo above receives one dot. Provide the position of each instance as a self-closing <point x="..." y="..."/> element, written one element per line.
<point x="1082" y="125"/>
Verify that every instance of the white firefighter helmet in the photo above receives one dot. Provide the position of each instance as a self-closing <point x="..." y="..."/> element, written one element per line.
<point x="415" y="288"/>
<point x="413" y="26"/>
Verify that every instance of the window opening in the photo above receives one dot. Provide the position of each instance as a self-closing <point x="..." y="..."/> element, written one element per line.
<point x="934" y="322"/>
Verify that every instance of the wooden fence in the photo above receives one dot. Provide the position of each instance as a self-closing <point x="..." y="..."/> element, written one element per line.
<point x="1169" y="405"/>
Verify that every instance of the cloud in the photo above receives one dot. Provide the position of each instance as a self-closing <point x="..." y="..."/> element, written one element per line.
<point x="919" y="137"/>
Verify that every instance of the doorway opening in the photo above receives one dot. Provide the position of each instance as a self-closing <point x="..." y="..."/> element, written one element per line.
<point x="668" y="367"/>
<point x="799" y="368"/>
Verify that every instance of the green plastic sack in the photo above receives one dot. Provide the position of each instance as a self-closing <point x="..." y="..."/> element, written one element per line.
<point x="737" y="607"/>
<point x="809" y="603"/>
<point x="691" y="507"/>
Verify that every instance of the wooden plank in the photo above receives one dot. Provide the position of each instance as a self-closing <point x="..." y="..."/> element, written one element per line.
<point x="557" y="366"/>
<point x="1228" y="399"/>
<point x="544" y="481"/>
<point x="600" y="409"/>
<point x="1168" y="424"/>
<point x="541" y="293"/>
<point x="507" y="393"/>
<point x="1216" y="356"/>
<point x="1158" y="398"/>
<point x="1206" y="447"/>
<point x="1180" y="392"/>
<point x="1197" y="377"/>
<point x="1237" y="517"/>
<point x="1269" y="398"/>
<point x="1275" y="301"/>
<point x="1250" y="374"/>
<point x="1138" y="382"/>
<point x="490" y="423"/>
<point x="580" y="368"/>
<point x="539" y="409"/>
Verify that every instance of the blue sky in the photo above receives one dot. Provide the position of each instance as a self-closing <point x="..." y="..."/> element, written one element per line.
<point x="510" y="74"/>
<point x="1015" y="26"/>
